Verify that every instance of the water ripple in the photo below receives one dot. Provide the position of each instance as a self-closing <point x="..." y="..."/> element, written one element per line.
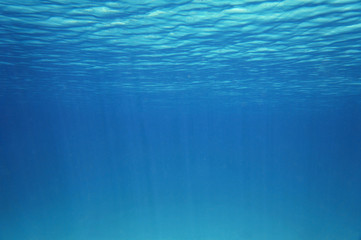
<point x="253" y="39"/>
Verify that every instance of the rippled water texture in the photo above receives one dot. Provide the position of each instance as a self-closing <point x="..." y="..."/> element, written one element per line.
<point x="233" y="48"/>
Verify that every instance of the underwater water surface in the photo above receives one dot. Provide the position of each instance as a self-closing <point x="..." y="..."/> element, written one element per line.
<point x="180" y="120"/>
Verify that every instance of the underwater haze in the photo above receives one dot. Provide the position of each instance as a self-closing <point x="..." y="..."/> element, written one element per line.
<point x="180" y="120"/>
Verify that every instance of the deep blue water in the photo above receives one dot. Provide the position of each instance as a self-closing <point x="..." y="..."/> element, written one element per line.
<point x="185" y="120"/>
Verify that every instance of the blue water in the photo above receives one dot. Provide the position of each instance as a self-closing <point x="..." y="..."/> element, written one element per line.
<point x="180" y="120"/>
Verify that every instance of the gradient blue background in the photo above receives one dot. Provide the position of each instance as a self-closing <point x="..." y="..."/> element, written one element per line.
<point x="126" y="169"/>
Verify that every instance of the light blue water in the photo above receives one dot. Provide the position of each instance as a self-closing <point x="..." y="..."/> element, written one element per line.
<point x="194" y="120"/>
